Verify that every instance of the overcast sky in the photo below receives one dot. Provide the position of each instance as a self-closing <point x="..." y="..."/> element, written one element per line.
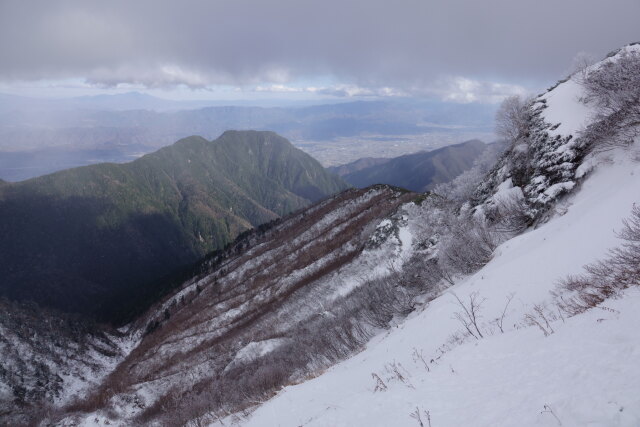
<point x="457" y="50"/>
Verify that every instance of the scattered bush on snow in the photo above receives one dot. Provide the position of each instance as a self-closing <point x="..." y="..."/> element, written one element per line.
<point x="607" y="278"/>
<point x="416" y="416"/>
<point x="470" y="316"/>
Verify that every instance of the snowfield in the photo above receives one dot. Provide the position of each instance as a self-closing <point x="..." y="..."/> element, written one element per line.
<point x="584" y="373"/>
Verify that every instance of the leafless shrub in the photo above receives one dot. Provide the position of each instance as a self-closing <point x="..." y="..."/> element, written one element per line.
<point x="416" y="416"/>
<point x="380" y="385"/>
<point x="397" y="372"/>
<point x="605" y="279"/>
<point x="547" y="410"/>
<point x="510" y="216"/>
<point x="419" y="356"/>
<point x="470" y="314"/>
<point x="386" y="298"/>
<point x="541" y="318"/>
<point x="499" y="321"/>
<point x="468" y="246"/>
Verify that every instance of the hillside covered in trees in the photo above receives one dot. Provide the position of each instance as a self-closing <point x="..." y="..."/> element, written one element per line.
<point x="95" y="239"/>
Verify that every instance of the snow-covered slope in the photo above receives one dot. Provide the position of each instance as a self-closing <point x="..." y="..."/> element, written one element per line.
<point x="49" y="358"/>
<point x="585" y="371"/>
<point x="525" y="362"/>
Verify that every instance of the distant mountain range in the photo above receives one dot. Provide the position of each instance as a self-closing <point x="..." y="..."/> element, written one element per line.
<point x="113" y="102"/>
<point x="129" y="101"/>
<point x="84" y="123"/>
<point x="358" y="165"/>
<point x="50" y="135"/>
<point x="94" y="239"/>
<point x="416" y="172"/>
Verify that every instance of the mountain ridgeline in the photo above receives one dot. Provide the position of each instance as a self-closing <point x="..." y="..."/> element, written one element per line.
<point x="96" y="239"/>
<point x="416" y="172"/>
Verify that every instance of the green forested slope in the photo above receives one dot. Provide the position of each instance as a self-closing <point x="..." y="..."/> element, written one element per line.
<point x="92" y="239"/>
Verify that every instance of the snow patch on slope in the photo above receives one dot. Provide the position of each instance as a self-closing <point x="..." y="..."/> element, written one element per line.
<point x="565" y="108"/>
<point x="257" y="349"/>
<point x="393" y="246"/>
<point x="506" y="193"/>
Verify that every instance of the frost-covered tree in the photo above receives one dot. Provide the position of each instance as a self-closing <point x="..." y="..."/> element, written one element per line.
<point x="467" y="246"/>
<point x="512" y="118"/>
<point x="613" y="88"/>
<point x="464" y="185"/>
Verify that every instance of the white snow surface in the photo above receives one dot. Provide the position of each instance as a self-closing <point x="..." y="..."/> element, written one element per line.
<point x="376" y="263"/>
<point x="506" y="193"/>
<point x="257" y="349"/>
<point x="564" y="107"/>
<point x="584" y="374"/>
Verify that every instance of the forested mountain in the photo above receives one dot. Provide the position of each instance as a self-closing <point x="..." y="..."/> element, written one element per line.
<point x="94" y="239"/>
<point x="417" y="172"/>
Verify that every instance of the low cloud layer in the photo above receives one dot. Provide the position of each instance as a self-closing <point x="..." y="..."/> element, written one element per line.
<point x="464" y="50"/>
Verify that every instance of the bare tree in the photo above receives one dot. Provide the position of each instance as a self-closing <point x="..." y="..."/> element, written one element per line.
<point x="416" y="416"/>
<point x="542" y="318"/>
<point x="581" y="63"/>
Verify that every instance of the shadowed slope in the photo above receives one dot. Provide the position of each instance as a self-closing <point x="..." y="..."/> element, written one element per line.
<point x="91" y="239"/>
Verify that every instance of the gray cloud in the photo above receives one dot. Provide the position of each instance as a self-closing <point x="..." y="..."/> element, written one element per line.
<point x="406" y="45"/>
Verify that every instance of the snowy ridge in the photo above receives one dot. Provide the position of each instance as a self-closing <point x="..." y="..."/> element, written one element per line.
<point x="554" y="156"/>
<point x="253" y="304"/>
<point x="584" y="373"/>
